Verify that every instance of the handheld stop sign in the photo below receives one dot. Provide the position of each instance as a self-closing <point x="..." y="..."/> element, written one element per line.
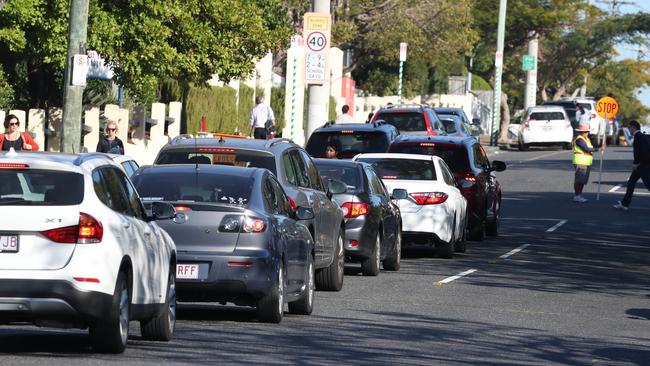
<point x="607" y="107"/>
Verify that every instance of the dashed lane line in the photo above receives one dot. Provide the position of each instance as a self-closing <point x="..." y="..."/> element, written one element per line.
<point x="514" y="251"/>
<point x="556" y="226"/>
<point x="615" y="188"/>
<point x="453" y="278"/>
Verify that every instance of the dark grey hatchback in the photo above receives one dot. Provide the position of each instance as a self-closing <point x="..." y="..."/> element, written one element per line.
<point x="237" y="237"/>
<point x="373" y="223"/>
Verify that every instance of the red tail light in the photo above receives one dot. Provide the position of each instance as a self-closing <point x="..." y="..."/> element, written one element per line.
<point x="88" y="231"/>
<point x="292" y="203"/>
<point x="459" y="135"/>
<point x="468" y="181"/>
<point x="253" y="225"/>
<point x="354" y="209"/>
<point x="527" y="123"/>
<point x="240" y="264"/>
<point x="13" y="166"/>
<point x="593" y="116"/>
<point x="182" y="208"/>
<point x="429" y="198"/>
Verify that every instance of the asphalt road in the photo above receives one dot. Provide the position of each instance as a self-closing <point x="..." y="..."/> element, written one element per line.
<point x="576" y="292"/>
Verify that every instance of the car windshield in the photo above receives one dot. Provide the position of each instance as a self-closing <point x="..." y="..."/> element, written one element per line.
<point x="189" y="187"/>
<point x="348" y="175"/>
<point x="455" y="156"/>
<point x="350" y="143"/>
<point x="406" y="169"/>
<point x="547" y="116"/>
<point x="404" y="121"/>
<point x="40" y="187"/>
<point x="219" y="156"/>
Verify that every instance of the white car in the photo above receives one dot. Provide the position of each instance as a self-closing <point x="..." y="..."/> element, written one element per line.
<point x="435" y="211"/>
<point x="78" y="250"/>
<point x="128" y="164"/>
<point x="545" y="125"/>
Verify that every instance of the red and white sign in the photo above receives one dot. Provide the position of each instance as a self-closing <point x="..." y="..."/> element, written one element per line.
<point x="402" y="51"/>
<point x="316" y="41"/>
<point x="317" y="29"/>
<point x="79" y="70"/>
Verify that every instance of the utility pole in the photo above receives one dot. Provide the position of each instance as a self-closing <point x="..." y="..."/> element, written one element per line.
<point x="318" y="94"/>
<point x="73" y="94"/>
<point x="530" y="93"/>
<point x="498" y="71"/>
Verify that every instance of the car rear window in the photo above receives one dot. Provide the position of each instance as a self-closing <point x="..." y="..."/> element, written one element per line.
<point x="190" y="187"/>
<point x="586" y="106"/>
<point x="404" y="121"/>
<point x="40" y="187"/>
<point x="455" y="155"/>
<point x="348" y="175"/>
<point x="350" y="143"/>
<point x="547" y="116"/>
<point x="219" y="156"/>
<point x="406" y="169"/>
<point x="449" y="124"/>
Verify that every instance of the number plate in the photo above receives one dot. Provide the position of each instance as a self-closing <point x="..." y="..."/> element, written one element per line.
<point x="187" y="271"/>
<point x="547" y="128"/>
<point x="8" y="243"/>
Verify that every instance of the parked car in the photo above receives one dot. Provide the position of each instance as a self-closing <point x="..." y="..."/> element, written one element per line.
<point x="372" y="220"/>
<point x="473" y="126"/>
<point x="545" y="125"/>
<point x="351" y="138"/>
<point x="434" y="212"/>
<point x="597" y="124"/>
<point x="454" y="125"/>
<point x="473" y="173"/>
<point x="78" y="249"/>
<point x="297" y="175"/>
<point x="414" y="119"/>
<point x="128" y="164"/>
<point x="237" y="237"/>
<point x="570" y="107"/>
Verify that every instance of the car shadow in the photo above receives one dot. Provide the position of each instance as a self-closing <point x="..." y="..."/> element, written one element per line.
<point x="640" y="314"/>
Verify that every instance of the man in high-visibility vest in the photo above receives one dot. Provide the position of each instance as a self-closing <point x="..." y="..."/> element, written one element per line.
<point x="582" y="159"/>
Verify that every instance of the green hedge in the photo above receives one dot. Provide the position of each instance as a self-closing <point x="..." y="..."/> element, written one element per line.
<point x="218" y="105"/>
<point x="246" y="104"/>
<point x="332" y="109"/>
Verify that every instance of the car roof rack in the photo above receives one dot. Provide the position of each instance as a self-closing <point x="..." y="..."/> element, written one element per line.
<point x="84" y="157"/>
<point x="278" y="140"/>
<point x="406" y="105"/>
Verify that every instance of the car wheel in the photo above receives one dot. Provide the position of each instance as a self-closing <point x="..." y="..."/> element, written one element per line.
<point x="271" y="307"/>
<point x="446" y="250"/>
<point x="305" y="305"/>
<point x="477" y="233"/>
<point x="111" y="333"/>
<point x="393" y="262"/>
<point x="331" y="278"/>
<point x="370" y="266"/>
<point x="492" y="228"/>
<point x="461" y="245"/>
<point x="161" y="328"/>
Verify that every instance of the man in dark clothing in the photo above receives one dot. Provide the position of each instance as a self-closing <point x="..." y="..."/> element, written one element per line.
<point x="641" y="165"/>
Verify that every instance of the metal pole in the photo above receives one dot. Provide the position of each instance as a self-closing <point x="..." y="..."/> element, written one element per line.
<point x="293" y="98"/>
<point x="530" y="98"/>
<point x="318" y="94"/>
<point x="399" y="87"/>
<point x="498" y="71"/>
<point x="600" y="173"/>
<point x="73" y="94"/>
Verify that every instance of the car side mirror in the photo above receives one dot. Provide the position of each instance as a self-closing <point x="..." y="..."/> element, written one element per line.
<point x="162" y="211"/>
<point x="335" y="186"/>
<point x="498" y="166"/>
<point x="305" y="213"/>
<point x="399" y="194"/>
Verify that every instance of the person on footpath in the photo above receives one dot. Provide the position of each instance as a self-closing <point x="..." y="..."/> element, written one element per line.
<point x="110" y="143"/>
<point x="344" y="117"/>
<point x="582" y="159"/>
<point x="262" y="119"/>
<point x="641" y="165"/>
<point x="13" y="138"/>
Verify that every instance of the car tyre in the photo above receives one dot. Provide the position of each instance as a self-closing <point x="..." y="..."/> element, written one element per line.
<point x="331" y="278"/>
<point x="446" y="250"/>
<point x="393" y="261"/>
<point x="492" y="228"/>
<point x="305" y="305"/>
<point x="370" y="266"/>
<point x="270" y="308"/>
<point x="161" y="327"/>
<point x="110" y="334"/>
<point x="477" y="232"/>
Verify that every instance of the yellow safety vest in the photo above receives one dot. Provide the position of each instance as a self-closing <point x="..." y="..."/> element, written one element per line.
<point x="581" y="157"/>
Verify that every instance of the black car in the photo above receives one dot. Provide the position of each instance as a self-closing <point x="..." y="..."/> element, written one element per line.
<point x="411" y="119"/>
<point x="298" y="176"/>
<point x="372" y="221"/>
<point x="237" y="237"/>
<point x="351" y="138"/>
<point x="473" y="127"/>
<point x="571" y="108"/>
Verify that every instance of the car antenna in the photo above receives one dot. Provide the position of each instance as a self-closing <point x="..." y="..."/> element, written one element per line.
<point x="196" y="153"/>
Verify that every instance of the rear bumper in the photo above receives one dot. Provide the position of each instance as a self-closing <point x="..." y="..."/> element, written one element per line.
<point x="42" y="300"/>
<point x="359" y="230"/>
<point x="432" y="220"/>
<point x="541" y="139"/>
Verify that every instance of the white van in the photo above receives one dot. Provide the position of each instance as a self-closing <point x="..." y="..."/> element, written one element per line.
<point x="545" y="125"/>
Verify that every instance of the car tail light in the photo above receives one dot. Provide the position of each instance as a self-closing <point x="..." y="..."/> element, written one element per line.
<point x="354" y="209"/>
<point x="241" y="224"/>
<point x="347" y="131"/>
<point x="468" y="181"/>
<point x="239" y="264"/>
<point x="292" y="203"/>
<point x="593" y="115"/>
<point x="527" y="123"/>
<point x="354" y="243"/>
<point x="13" y="166"/>
<point x="427" y="144"/>
<point x="182" y="208"/>
<point x="429" y="198"/>
<point x="459" y="135"/>
<point x="88" y="231"/>
<point x="215" y="150"/>
<point x="86" y="279"/>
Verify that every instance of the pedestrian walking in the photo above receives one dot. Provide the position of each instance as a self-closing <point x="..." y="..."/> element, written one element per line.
<point x="582" y="159"/>
<point x="344" y="117"/>
<point x="641" y="164"/>
<point x="370" y="115"/>
<point x="110" y="143"/>
<point x="262" y="119"/>
<point x="13" y="138"/>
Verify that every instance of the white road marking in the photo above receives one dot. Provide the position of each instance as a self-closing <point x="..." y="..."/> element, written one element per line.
<point x="556" y="226"/>
<point x="615" y="188"/>
<point x="544" y="156"/>
<point x="514" y="251"/>
<point x="452" y="278"/>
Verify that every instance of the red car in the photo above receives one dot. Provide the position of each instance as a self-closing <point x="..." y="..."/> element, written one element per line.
<point x="473" y="172"/>
<point x="411" y="119"/>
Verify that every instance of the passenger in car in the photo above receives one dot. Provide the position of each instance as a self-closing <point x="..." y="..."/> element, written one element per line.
<point x="332" y="150"/>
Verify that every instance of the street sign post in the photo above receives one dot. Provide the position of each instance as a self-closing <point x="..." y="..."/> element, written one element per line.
<point x="606" y="107"/>
<point x="316" y="33"/>
<point x="402" y="58"/>
<point x="528" y="63"/>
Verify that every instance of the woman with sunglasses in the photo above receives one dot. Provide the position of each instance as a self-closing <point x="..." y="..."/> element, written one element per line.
<point x="13" y="138"/>
<point x="110" y="143"/>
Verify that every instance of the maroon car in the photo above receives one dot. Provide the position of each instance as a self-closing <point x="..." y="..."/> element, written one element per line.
<point x="473" y="173"/>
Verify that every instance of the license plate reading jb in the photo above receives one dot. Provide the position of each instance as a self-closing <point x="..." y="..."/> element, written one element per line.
<point x="8" y="243"/>
<point x="187" y="271"/>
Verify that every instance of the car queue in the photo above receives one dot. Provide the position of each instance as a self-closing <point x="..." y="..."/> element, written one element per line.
<point x="257" y="223"/>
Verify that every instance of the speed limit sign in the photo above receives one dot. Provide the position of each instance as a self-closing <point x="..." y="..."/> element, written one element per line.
<point x="316" y="41"/>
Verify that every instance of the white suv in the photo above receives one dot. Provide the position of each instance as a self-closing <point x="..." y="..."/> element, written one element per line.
<point x="78" y="250"/>
<point x="545" y="125"/>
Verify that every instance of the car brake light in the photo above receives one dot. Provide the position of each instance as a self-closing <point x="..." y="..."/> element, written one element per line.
<point x="88" y="231"/>
<point x="239" y="264"/>
<point x="389" y="177"/>
<point x="292" y="203"/>
<point x="86" y="279"/>
<point x="527" y="123"/>
<point x="427" y="144"/>
<point x="241" y="224"/>
<point x="182" y="208"/>
<point x="593" y="116"/>
<point x="215" y="150"/>
<point x="429" y="198"/>
<point x="459" y="135"/>
<point x="347" y="131"/>
<point x="13" y="166"/>
<point x="354" y="209"/>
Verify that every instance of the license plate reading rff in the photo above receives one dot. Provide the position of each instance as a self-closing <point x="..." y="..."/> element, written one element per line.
<point x="187" y="271"/>
<point x="9" y="243"/>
